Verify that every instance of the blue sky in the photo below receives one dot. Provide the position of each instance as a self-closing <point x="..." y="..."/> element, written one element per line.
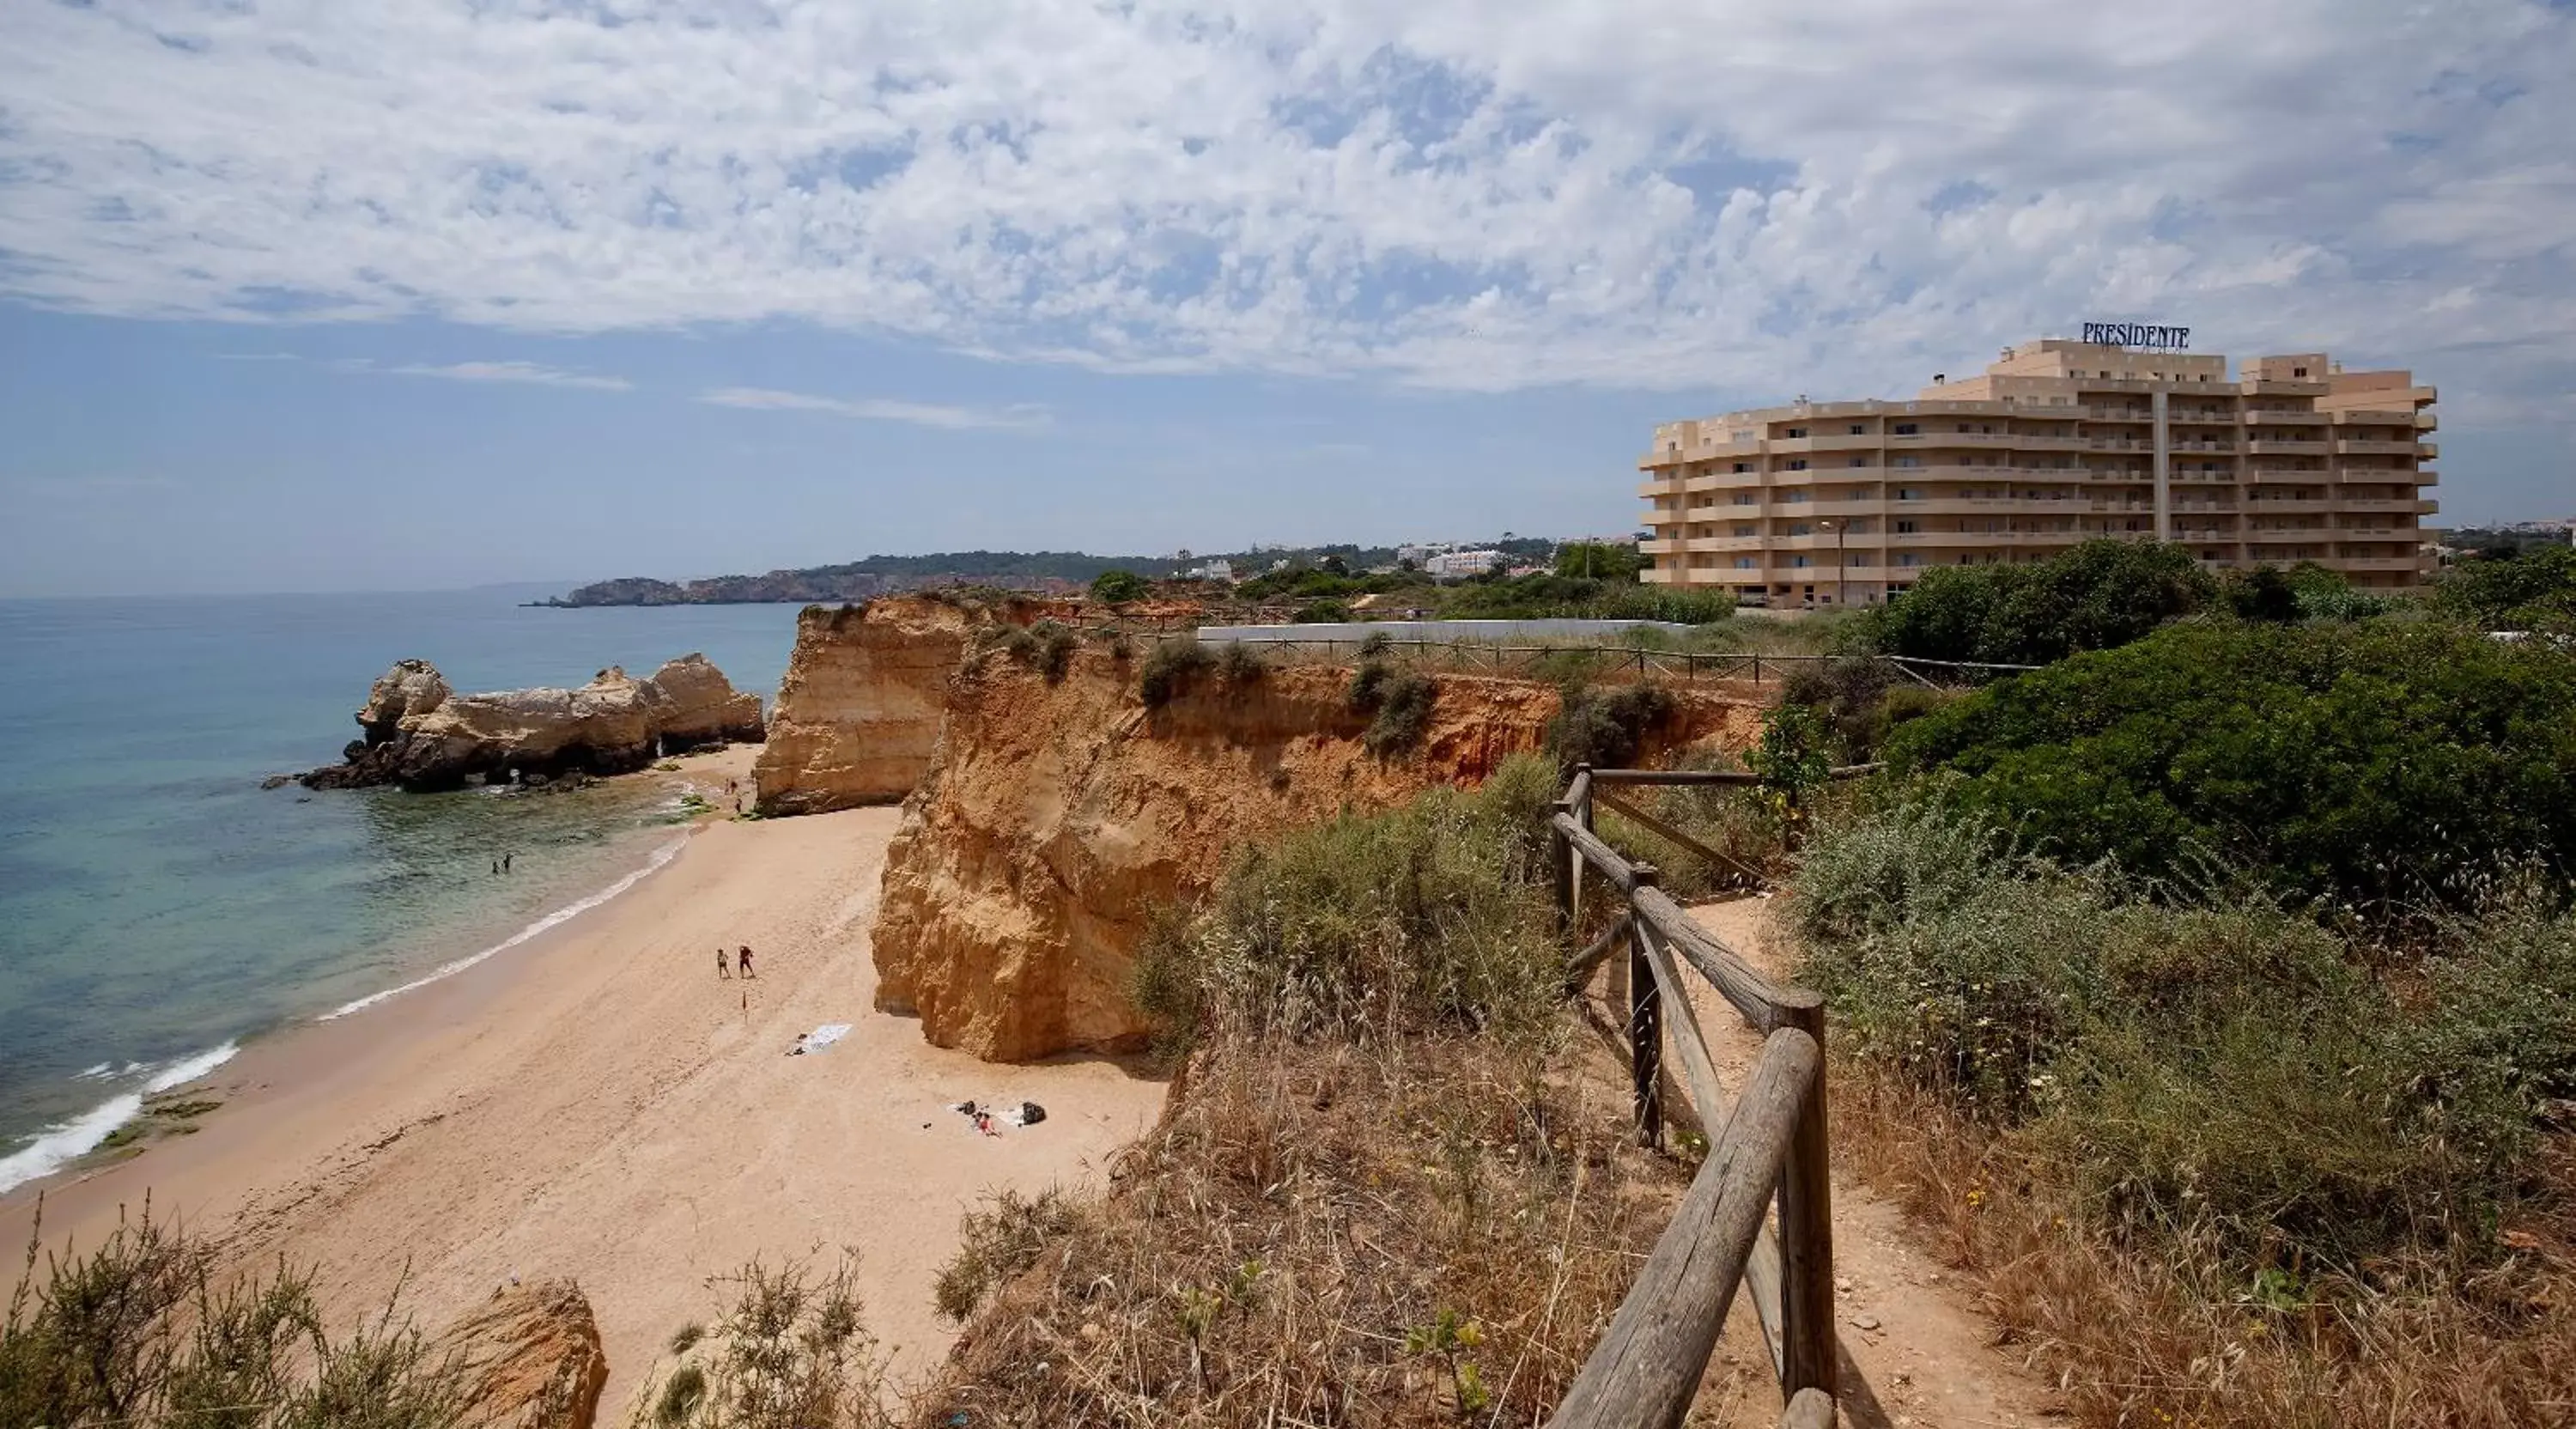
<point x="303" y="296"/>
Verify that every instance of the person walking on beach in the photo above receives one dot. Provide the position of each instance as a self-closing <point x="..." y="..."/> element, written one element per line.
<point x="496" y="868"/>
<point x="723" y="967"/>
<point x="505" y="862"/>
<point x="745" y="964"/>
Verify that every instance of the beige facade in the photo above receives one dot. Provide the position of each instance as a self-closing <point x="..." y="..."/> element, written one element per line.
<point x="1824" y="503"/>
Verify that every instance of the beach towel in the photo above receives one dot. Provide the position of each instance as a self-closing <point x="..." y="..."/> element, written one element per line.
<point x="825" y="1035"/>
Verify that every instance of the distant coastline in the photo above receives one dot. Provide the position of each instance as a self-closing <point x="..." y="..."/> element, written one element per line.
<point x="1041" y="572"/>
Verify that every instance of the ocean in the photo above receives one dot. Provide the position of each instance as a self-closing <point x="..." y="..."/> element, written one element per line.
<point x="158" y="908"/>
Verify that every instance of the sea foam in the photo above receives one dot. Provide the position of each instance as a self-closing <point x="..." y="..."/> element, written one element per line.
<point x="59" y="1145"/>
<point x="661" y="856"/>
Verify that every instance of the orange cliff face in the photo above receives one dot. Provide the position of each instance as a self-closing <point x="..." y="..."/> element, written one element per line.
<point x="859" y="713"/>
<point x="1060" y="816"/>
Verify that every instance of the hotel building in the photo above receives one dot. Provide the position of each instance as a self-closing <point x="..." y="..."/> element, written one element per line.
<point x="1824" y="503"/>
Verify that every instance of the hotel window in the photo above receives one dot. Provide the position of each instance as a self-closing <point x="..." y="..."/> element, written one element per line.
<point x="1906" y="429"/>
<point x="1797" y="431"/>
<point x="1801" y="528"/>
<point x="1795" y="496"/>
<point x="1860" y="461"/>
<point x="1742" y="467"/>
<point x="1860" y="429"/>
<point x="1801" y="561"/>
<point x="1858" y="558"/>
<point x="1744" y="563"/>
<point x="1909" y="461"/>
<point x="1910" y="558"/>
<point x="1742" y="529"/>
<point x="1798" y="465"/>
<point x="1744" y="498"/>
<point x="1908" y="528"/>
<point x="1909" y="493"/>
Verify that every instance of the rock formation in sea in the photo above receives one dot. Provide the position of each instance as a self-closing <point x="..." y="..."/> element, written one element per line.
<point x="420" y="734"/>
<point x="1060" y="815"/>
<point x="530" y="1358"/>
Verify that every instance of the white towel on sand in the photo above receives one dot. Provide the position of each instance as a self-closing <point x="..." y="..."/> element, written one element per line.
<point x="825" y="1035"/>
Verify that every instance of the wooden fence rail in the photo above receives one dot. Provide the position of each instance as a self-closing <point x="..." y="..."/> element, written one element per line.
<point x="1768" y="1149"/>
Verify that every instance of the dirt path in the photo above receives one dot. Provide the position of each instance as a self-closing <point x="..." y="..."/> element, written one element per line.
<point x="1910" y="1325"/>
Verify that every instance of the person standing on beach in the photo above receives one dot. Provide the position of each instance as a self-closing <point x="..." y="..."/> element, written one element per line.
<point x="496" y="867"/>
<point x="505" y="862"/>
<point x="745" y="964"/>
<point x="723" y="967"/>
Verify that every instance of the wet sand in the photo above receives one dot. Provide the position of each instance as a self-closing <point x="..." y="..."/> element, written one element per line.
<point x="596" y="1103"/>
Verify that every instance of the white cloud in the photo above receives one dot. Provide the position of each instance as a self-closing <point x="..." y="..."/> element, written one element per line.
<point x="919" y="414"/>
<point x="535" y="373"/>
<point x="1766" y="195"/>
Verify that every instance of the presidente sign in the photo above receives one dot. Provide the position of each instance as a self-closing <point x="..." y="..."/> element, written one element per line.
<point x="2147" y="335"/>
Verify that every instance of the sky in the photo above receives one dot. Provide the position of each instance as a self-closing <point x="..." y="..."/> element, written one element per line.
<point x="298" y="295"/>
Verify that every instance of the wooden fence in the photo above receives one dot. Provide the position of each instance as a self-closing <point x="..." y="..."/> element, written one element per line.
<point x="1770" y="1146"/>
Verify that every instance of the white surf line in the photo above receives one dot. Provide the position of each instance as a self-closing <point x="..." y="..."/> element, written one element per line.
<point x="557" y="918"/>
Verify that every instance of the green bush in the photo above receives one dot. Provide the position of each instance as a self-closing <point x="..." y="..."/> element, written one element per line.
<point x="1420" y="918"/>
<point x="136" y="1331"/>
<point x="1400" y="702"/>
<point x="1600" y="560"/>
<point x="2098" y="596"/>
<point x="997" y="1242"/>
<point x="1242" y="663"/>
<point x="1605" y="728"/>
<point x="2382" y="764"/>
<point x="1117" y="587"/>
<point x="1169" y="670"/>
<point x="1324" y="612"/>
<point x="1046" y="647"/>
<point x="2528" y="590"/>
<point x="2217" y="1069"/>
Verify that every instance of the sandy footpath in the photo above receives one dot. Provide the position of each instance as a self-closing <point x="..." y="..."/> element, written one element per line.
<point x="595" y="1103"/>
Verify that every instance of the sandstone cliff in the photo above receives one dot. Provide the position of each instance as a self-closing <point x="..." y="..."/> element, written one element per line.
<point x="866" y="692"/>
<point x="1061" y="815"/>
<point x="859" y="713"/>
<point x="531" y="1358"/>
<point x="422" y="736"/>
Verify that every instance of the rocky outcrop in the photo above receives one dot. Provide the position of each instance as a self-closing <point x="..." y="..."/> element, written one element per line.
<point x="1060" y="816"/>
<point x="530" y="1358"/>
<point x="866" y="693"/>
<point x="421" y="735"/>
<point x="859" y="713"/>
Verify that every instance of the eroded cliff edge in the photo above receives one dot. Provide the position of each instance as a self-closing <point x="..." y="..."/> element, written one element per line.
<point x="1060" y="814"/>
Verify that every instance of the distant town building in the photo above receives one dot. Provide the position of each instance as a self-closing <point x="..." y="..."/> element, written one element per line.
<point x="1454" y="565"/>
<point x="2058" y="442"/>
<point x="1219" y="569"/>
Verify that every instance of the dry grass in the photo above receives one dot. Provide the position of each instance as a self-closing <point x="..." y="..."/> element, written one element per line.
<point x="1427" y="1230"/>
<point x="2162" y="1337"/>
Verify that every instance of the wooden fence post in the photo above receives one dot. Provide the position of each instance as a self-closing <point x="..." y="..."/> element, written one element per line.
<point x="1645" y="1030"/>
<point x="1807" y="1222"/>
<point x="1560" y="865"/>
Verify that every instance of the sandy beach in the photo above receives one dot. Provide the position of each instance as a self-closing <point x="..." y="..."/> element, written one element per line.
<point x="597" y="1104"/>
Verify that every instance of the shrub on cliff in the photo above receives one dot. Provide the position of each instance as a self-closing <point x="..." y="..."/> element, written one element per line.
<point x="1169" y="669"/>
<point x="2098" y="596"/>
<point x="2206" y="1127"/>
<point x="1399" y="702"/>
<point x="135" y="1332"/>
<point x="1370" y="926"/>
<point x="1605" y="727"/>
<point x="1117" y="587"/>
<point x="2377" y="763"/>
<point x="1046" y="647"/>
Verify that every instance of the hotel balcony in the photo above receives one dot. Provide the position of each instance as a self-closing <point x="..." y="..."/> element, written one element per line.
<point x="2261" y="446"/>
<point x="2368" y="446"/>
<point x="2279" y="417"/>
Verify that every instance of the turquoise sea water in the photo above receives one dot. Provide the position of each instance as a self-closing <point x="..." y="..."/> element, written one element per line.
<point x="157" y="907"/>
